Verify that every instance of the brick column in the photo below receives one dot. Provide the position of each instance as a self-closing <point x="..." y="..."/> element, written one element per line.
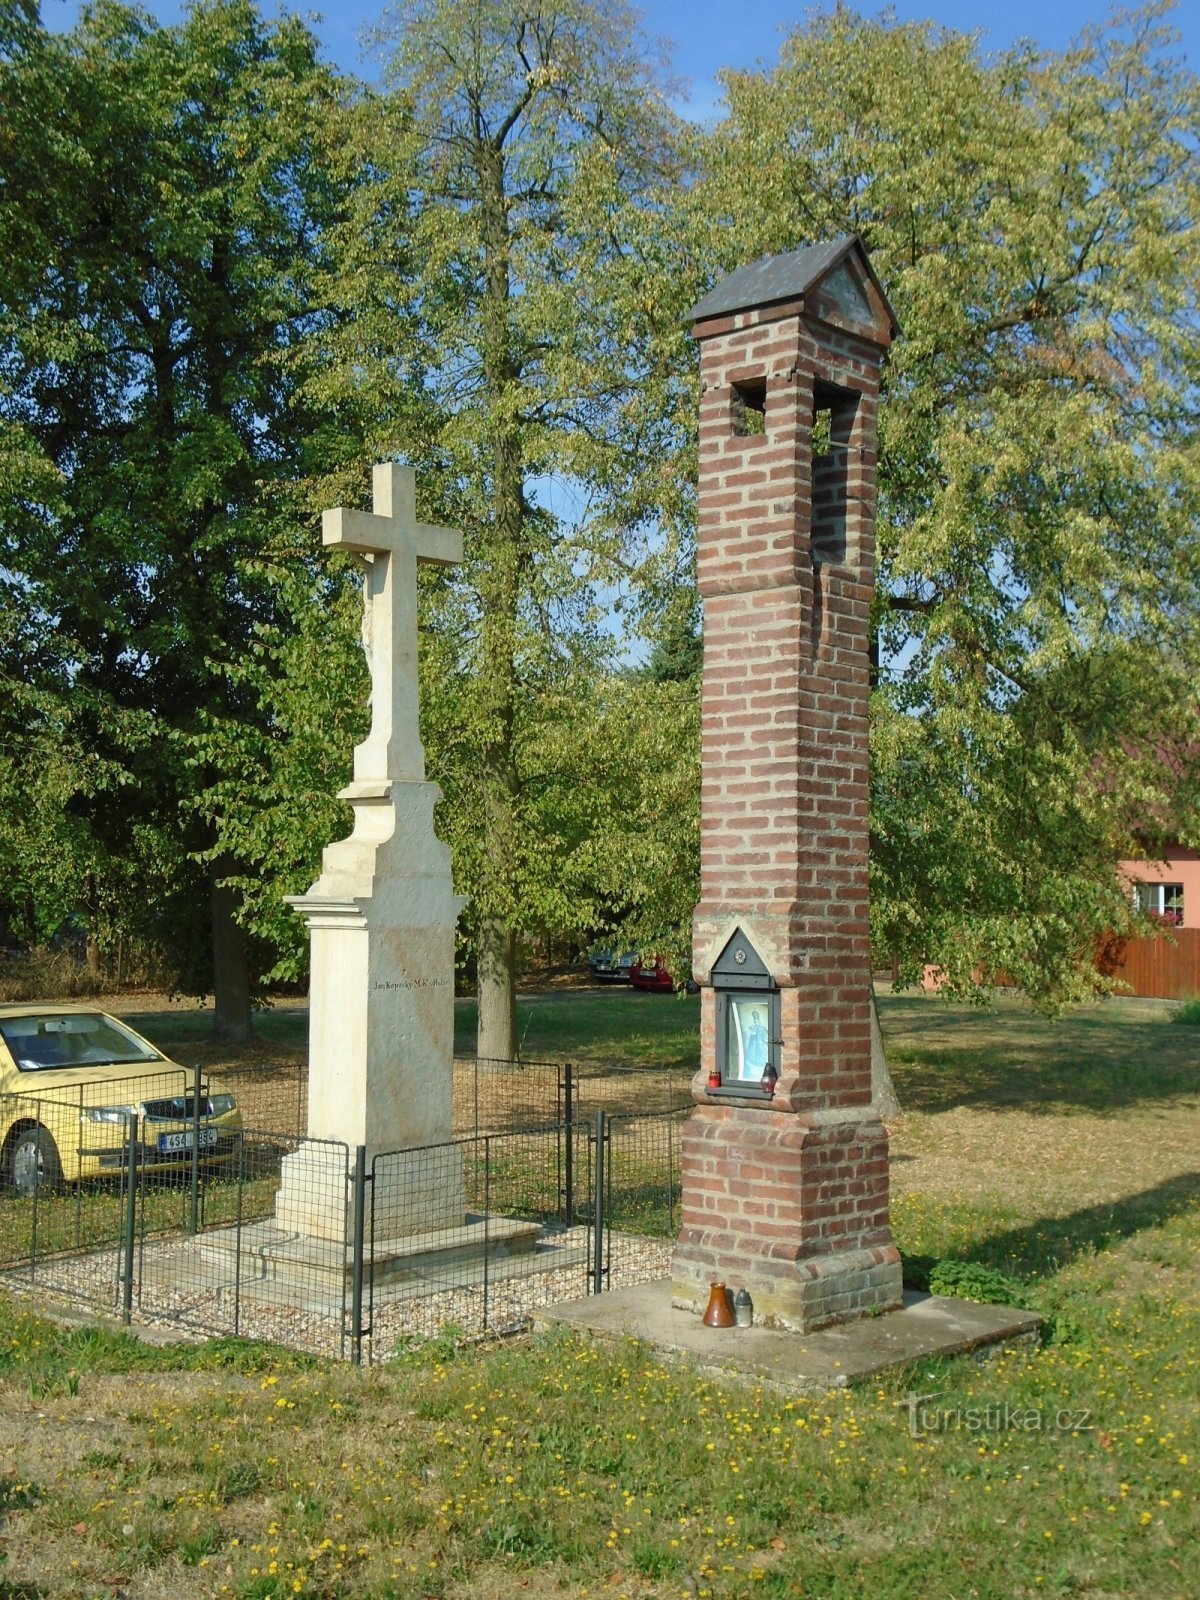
<point x="789" y="1196"/>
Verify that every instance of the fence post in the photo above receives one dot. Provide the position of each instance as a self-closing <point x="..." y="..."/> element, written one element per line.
<point x="194" y="1206"/>
<point x="487" y="1220"/>
<point x="356" y="1281"/>
<point x="37" y="1189"/>
<point x="78" y="1207"/>
<point x="598" y="1206"/>
<point x="569" y="1154"/>
<point x="237" y="1254"/>
<point x="131" y="1131"/>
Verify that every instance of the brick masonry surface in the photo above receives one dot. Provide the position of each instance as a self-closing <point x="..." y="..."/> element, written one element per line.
<point x="789" y="1197"/>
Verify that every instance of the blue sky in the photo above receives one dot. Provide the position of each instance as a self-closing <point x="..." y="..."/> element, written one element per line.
<point x="709" y="34"/>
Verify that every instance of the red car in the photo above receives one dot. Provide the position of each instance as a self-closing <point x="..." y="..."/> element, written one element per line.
<point x="651" y="974"/>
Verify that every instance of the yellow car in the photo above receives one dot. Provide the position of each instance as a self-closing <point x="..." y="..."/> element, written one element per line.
<point x="71" y="1081"/>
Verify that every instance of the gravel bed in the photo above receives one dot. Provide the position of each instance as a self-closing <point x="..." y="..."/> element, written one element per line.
<point x="181" y="1290"/>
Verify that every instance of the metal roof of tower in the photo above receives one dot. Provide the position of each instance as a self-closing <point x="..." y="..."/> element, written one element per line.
<point x="785" y="277"/>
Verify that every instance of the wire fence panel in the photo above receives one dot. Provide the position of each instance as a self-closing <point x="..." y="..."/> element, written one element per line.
<point x="270" y="1094"/>
<point x="640" y="1194"/>
<point x="49" y="1214"/>
<point x="172" y="1211"/>
<point x="269" y="1257"/>
<point x="495" y="1096"/>
<point x="66" y="1162"/>
<point x="472" y="1236"/>
<point x="631" y="1091"/>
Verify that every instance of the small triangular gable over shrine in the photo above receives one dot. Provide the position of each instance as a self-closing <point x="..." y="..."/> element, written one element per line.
<point x="832" y="282"/>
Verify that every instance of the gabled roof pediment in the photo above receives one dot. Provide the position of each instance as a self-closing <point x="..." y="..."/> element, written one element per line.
<point x="835" y="279"/>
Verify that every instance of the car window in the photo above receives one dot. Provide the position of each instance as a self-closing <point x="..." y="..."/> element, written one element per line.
<point x="53" y="1040"/>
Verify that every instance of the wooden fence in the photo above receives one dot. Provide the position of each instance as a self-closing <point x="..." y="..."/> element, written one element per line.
<point x="1164" y="968"/>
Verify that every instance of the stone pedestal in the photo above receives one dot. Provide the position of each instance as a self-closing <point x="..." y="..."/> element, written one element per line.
<point x="792" y="1207"/>
<point x="381" y="1027"/>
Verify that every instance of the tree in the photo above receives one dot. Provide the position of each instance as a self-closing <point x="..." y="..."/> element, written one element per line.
<point x="167" y="194"/>
<point x="1034" y="221"/>
<point x="528" y="140"/>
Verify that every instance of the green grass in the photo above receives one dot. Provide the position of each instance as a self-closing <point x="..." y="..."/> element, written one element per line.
<point x="1109" y="1058"/>
<point x="172" y="1028"/>
<point x="563" y="1467"/>
<point x="615" y="1025"/>
<point x="619" y="1025"/>
<point x="1061" y="1156"/>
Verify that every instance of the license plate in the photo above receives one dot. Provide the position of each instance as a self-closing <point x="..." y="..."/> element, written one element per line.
<point x="185" y="1141"/>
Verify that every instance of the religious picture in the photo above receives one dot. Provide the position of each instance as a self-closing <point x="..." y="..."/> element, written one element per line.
<point x="747" y="1041"/>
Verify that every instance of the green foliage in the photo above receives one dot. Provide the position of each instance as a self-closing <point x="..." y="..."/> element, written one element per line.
<point x="1188" y="1014"/>
<point x="514" y="165"/>
<point x="437" y="1350"/>
<point x="971" y="1280"/>
<point x="1032" y="218"/>
<point x="42" y="1353"/>
<point x="962" y="1280"/>
<point x="166" y="200"/>
<point x="916" y="1270"/>
<point x="231" y="280"/>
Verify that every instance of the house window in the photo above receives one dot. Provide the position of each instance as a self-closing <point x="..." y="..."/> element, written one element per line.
<point x="1162" y="900"/>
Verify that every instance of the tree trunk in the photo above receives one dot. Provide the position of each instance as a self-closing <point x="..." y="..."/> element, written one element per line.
<point x="496" y="1037"/>
<point x="233" y="1021"/>
<point x="883" y="1092"/>
<point x="499" y="576"/>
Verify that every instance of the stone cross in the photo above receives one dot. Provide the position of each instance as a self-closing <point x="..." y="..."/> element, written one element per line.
<point x="394" y="541"/>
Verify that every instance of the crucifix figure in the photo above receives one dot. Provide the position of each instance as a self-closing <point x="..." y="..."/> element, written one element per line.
<point x="390" y="542"/>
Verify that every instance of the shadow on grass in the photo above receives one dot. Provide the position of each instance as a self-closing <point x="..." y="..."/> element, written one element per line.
<point x="1043" y="1247"/>
<point x="620" y="1027"/>
<point x="1008" y="1058"/>
<point x="170" y="1028"/>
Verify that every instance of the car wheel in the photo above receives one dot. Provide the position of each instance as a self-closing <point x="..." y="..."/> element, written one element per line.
<point x="33" y="1164"/>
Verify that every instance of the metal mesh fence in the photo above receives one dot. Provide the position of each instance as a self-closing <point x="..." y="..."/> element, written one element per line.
<point x="48" y="1214"/>
<point x="476" y="1234"/>
<point x="195" y="1227"/>
<point x="173" y="1212"/>
<point x="493" y="1096"/>
<point x="66" y="1159"/>
<point x="271" y="1094"/>
<point x="269" y="1254"/>
<point x="489" y="1095"/>
<point x="635" y="1163"/>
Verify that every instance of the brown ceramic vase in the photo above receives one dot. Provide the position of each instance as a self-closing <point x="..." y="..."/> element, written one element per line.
<point x="718" y="1313"/>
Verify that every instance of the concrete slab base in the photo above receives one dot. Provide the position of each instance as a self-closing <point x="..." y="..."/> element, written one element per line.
<point x="927" y="1325"/>
<point x="265" y="1262"/>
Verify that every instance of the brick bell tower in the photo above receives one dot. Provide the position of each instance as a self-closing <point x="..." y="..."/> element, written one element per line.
<point x="785" y="1172"/>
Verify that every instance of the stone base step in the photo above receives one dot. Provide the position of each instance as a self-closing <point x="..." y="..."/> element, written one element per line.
<point x="271" y="1265"/>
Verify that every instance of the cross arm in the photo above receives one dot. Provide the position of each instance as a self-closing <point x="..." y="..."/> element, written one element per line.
<point x="441" y="545"/>
<point x="360" y="531"/>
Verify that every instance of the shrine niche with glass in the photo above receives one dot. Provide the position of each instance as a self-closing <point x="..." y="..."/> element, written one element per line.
<point x="748" y="1033"/>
